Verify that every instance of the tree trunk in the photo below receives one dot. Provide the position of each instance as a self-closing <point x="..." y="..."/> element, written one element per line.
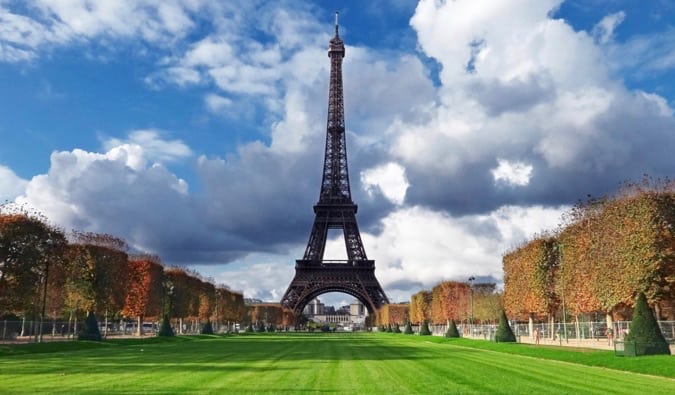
<point x="139" y="328"/>
<point x="530" y="326"/>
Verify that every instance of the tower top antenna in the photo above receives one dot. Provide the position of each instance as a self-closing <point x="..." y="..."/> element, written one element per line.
<point x="336" y="22"/>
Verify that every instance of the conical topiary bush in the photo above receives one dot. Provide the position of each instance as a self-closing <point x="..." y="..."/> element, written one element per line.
<point x="408" y="329"/>
<point x="165" y="328"/>
<point x="424" y="330"/>
<point x="249" y="328"/>
<point x="504" y="333"/>
<point x="397" y="329"/>
<point x="389" y="328"/>
<point x="452" y="329"/>
<point x="90" y="330"/>
<point x="207" y="329"/>
<point x="644" y="336"/>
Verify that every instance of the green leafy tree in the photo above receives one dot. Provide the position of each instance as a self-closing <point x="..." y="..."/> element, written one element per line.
<point x="504" y="333"/>
<point x="644" y="331"/>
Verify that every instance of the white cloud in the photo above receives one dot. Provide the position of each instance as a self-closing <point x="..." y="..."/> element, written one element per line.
<point x="216" y="103"/>
<point x="603" y="31"/>
<point x="389" y="179"/>
<point x="418" y="246"/>
<point x="152" y="145"/>
<point x="512" y="173"/>
<point x="11" y="185"/>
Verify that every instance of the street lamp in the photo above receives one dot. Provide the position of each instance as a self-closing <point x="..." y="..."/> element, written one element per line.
<point x="471" y="280"/>
<point x="562" y="286"/>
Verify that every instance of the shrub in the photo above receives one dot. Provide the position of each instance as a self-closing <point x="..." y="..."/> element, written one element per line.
<point x="452" y="329"/>
<point x="397" y="329"/>
<point x="424" y="330"/>
<point x="644" y="333"/>
<point x="408" y="329"/>
<point x="249" y="328"/>
<point x="504" y="333"/>
<point x="207" y="329"/>
<point x="165" y="328"/>
<point x="90" y="330"/>
<point x="389" y="328"/>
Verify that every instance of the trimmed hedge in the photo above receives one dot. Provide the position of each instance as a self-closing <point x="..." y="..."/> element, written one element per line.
<point x="644" y="335"/>
<point x="424" y="330"/>
<point x="504" y="333"/>
<point x="90" y="330"/>
<point x="165" y="329"/>
<point x="452" y="330"/>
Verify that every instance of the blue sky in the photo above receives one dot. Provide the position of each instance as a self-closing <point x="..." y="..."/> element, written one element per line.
<point x="194" y="129"/>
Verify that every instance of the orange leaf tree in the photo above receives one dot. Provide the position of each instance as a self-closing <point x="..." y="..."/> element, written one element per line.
<point x="450" y="301"/>
<point x="144" y="289"/>
<point x="529" y="283"/>
<point x="420" y="307"/>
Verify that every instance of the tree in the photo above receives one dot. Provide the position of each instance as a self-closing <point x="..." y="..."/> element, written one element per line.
<point x="90" y="330"/>
<point x="165" y="329"/>
<point x="29" y="248"/>
<point x="644" y="333"/>
<point x="452" y="329"/>
<point x="420" y="307"/>
<point x="450" y="301"/>
<point x="504" y="333"/>
<point x="529" y="282"/>
<point x="424" y="329"/>
<point x="97" y="272"/>
<point x="207" y="328"/>
<point x="145" y="291"/>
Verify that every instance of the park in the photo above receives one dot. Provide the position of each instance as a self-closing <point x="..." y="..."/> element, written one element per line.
<point x="373" y="363"/>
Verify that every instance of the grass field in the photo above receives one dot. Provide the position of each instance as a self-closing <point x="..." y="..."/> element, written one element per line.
<point x="324" y="363"/>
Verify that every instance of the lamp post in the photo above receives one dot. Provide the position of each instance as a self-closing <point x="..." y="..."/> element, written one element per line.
<point x="562" y="286"/>
<point x="471" y="280"/>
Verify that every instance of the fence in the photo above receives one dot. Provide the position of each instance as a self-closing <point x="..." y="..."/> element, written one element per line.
<point x="557" y="331"/>
<point x="28" y="330"/>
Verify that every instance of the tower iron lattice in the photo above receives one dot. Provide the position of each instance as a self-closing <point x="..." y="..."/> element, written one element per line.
<point x="335" y="210"/>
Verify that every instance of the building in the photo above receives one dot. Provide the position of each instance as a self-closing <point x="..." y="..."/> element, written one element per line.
<point x="354" y="317"/>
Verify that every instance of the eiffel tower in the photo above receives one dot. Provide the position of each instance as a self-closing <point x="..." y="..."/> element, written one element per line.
<point x="335" y="210"/>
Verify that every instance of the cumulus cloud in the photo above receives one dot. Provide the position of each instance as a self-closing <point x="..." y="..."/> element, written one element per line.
<point x="512" y="173"/>
<point x="388" y="179"/>
<point x="526" y="115"/>
<point x="11" y="185"/>
<point x="152" y="145"/>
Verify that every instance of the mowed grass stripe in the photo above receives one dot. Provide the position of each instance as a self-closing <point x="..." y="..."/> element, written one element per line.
<point x="307" y="363"/>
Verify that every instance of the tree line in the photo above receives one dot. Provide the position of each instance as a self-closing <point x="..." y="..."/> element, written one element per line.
<point x="48" y="274"/>
<point x="447" y="301"/>
<point x="606" y="252"/>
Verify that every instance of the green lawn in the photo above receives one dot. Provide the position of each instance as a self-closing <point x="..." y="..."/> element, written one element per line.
<point x="323" y="363"/>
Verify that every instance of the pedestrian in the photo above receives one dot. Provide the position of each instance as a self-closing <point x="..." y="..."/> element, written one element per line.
<point x="536" y="336"/>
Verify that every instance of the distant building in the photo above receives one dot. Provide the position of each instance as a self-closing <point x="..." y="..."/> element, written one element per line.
<point x="313" y="308"/>
<point x="353" y="316"/>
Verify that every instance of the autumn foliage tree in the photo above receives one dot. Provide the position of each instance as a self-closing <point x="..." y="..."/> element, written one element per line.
<point x="420" y="307"/>
<point x="392" y="314"/>
<point x="144" y="289"/>
<point x="608" y="250"/>
<point x="529" y="282"/>
<point x="29" y="249"/>
<point x="97" y="271"/>
<point x="449" y="301"/>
